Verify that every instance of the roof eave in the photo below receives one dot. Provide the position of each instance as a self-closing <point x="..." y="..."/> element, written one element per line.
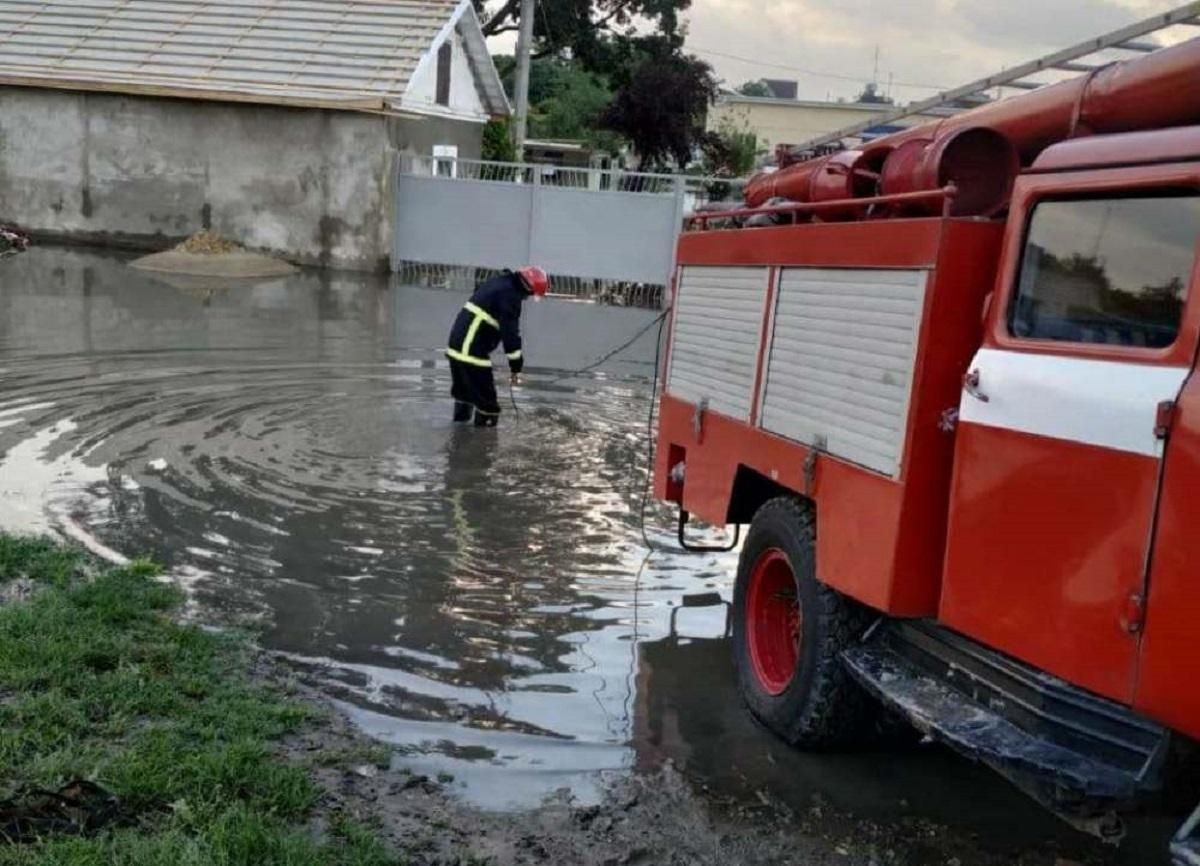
<point x="377" y="105"/>
<point x="481" y="60"/>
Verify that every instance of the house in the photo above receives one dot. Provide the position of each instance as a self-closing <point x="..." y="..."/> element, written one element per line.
<point x="793" y="121"/>
<point x="279" y="125"/>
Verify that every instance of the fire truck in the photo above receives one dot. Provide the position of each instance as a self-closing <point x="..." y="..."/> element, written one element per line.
<point x="947" y="380"/>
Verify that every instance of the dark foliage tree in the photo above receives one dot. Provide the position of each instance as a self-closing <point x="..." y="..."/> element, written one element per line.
<point x="498" y="143"/>
<point x="755" y="88"/>
<point x="662" y="105"/>
<point x="583" y="29"/>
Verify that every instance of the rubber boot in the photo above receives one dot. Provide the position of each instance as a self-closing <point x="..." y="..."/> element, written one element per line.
<point x="483" y="419"/>
<point x="462" y="412"/>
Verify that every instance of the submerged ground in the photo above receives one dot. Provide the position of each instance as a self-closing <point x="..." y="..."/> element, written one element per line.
<point x="481" y="602"/>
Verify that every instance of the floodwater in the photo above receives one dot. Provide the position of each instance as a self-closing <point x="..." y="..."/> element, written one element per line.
<point x="482" y="600"/>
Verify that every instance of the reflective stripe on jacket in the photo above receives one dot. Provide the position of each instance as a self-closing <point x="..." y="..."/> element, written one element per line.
<point x="491" y="317"/>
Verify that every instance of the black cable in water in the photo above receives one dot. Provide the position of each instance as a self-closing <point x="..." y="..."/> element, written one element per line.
<point x="660" y="321"/>
<point x="512" y="395"/>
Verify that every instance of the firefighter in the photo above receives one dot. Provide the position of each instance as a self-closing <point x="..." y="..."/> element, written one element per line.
<point x="491" y="317"/>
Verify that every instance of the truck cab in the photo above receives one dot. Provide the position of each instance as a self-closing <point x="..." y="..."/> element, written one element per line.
<point x="1078" y="423"/>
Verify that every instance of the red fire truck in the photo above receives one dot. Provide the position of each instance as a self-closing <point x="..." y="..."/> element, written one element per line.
<point x="949" y="387"/>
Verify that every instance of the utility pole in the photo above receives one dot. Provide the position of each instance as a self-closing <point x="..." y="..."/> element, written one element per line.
<point x="524" y="53"/>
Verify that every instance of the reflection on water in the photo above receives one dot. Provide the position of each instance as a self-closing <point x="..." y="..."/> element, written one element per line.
<point x="286" y="450"/>
<point x="481" y="599"/>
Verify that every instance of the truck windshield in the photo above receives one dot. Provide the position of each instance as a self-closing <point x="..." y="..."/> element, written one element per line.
<point x="1110" y="271"/>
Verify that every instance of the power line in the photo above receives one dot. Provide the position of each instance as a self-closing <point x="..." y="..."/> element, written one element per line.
<point x="801" y="70"/>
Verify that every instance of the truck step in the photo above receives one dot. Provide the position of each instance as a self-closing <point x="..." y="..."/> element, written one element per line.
<point x="1078" y="754"/>
<point x="1185" y="847"/>
<point x="1185" y="852"/>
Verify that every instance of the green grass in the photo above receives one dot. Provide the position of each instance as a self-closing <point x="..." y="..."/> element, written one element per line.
<point x="98" y="682"/>
<point x="348" y="757"/>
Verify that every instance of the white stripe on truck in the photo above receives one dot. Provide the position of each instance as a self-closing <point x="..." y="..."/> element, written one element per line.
<point x="1110" y="404"/>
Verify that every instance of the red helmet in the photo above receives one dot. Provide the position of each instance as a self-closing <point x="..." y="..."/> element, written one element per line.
<point x="535" y="280"/>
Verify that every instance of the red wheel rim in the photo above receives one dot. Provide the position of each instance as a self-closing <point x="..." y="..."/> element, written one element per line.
<point x="773" y="621"/>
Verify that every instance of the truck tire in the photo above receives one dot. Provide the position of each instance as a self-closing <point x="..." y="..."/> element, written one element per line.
<point x="789" y="631"/>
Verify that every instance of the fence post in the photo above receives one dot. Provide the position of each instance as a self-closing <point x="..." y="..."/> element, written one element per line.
<point x="535" y="214"/>
<point x="396" y="169"/>
<point x="677" y="229"/>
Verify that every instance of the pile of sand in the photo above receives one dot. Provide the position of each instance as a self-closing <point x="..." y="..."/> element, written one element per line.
<point x="207" y="254"/>
<point x="208" y="243"/>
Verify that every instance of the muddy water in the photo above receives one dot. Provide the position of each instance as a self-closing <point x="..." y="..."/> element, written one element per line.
<point x="480" y="599"/>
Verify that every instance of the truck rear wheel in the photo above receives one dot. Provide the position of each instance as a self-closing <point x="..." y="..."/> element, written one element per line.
<point x="789" y="631"/>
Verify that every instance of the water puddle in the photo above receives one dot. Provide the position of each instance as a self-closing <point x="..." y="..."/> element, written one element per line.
<point x="480" y="599"/>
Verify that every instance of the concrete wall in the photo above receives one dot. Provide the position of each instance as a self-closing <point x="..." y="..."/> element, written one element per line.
<point x="418" y="136"/>
<point x="312" y="185"/>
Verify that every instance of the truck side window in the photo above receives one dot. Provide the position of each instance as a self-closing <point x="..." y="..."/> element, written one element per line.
<point x="1112" y="271"/>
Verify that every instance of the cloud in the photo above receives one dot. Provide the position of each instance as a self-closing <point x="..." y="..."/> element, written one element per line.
<point x="942" y="43"/>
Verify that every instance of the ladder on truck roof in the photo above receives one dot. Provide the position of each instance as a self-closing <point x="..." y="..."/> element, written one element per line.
<point x="1128" y="39"/>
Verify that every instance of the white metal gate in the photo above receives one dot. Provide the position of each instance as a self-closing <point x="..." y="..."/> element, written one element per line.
<point x="610" y="226"/>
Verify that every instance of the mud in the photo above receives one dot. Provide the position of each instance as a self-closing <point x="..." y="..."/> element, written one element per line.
<point x="659" y="816"/>
<point x="479" y="601"/>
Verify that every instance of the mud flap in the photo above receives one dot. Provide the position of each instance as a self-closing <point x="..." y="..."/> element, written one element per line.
<point x="1080" y="756"/>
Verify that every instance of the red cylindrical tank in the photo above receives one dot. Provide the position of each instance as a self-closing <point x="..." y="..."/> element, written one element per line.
<point x="1155" y="91"/>
<point x="846" y="174"/>
<point x="902" y="166"/>
<point x="1151" y="92"/>
<point x="981" y="163"/>
<point x="792" y="183"/>
<point x="841" y="176"/>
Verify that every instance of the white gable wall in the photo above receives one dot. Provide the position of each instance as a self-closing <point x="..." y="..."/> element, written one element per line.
<point x="465" y="103"/>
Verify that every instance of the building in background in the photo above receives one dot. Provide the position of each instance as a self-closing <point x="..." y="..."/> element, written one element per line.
<point x="781" y="89"/>
<point x="275" y="124"/>
<point x="791" y="121"/>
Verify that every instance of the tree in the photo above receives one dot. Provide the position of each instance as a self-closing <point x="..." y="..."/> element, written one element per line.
<point x="565" y="101"/>
<point x="730" y="151"/>
<point x="755" y="88"/>
<point x="662" y="105"/>
<point x="497" y="142"/>
<point x="584" y="28"/>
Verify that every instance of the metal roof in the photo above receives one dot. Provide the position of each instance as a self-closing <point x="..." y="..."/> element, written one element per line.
<point x="352" y="54"/>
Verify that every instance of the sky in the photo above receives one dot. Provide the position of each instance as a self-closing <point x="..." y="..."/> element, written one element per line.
<point x="933" y="43"/>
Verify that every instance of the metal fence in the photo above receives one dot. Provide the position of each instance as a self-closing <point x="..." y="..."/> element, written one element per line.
<point x="699" y="190"/>
<point x="604" y="235"/>
<point x="613" y="292"/>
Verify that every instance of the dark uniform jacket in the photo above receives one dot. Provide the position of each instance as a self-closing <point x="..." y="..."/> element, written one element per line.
<point x="491" y="317"/>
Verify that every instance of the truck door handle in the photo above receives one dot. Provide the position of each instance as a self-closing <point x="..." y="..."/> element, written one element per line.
<point x="971" y="386"/>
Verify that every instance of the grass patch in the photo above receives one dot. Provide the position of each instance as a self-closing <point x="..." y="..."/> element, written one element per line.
<point x="375" y="755"/>
<point x="98" y="682"/>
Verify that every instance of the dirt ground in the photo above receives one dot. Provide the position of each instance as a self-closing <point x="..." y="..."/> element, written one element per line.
<point x="658" y="818"/>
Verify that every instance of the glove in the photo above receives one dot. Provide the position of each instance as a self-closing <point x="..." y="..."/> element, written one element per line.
<point x="515" y="378"/>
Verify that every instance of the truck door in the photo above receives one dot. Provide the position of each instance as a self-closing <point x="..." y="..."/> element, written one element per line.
<point x="1057" y="459"/>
